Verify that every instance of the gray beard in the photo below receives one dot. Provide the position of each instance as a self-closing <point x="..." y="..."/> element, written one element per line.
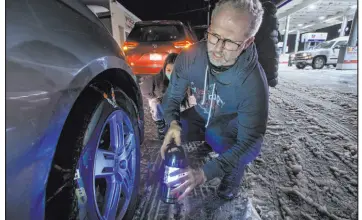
<point x="217" y="69"/>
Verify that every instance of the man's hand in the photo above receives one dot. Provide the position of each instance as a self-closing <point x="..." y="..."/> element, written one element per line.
<point x="189" y="179"/>
<point x="174" y="132"/>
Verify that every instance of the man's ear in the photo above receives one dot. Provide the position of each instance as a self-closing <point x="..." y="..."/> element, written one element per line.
<point x="249" y="41"/>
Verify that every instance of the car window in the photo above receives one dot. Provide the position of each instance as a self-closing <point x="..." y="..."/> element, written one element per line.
<point x="154" y="33"/>
<point x="341" y="43"/>
<point x="325" y="45"/>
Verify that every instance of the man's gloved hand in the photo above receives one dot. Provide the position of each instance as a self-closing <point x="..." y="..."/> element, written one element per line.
<point x="188" y="180"/>
<point x="173" y="133"/>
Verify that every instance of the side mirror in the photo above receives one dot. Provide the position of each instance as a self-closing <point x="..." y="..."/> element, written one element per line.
<point x="337" y="47"/>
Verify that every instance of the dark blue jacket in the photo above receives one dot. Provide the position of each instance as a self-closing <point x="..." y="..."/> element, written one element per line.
<point x="241" y="90"/>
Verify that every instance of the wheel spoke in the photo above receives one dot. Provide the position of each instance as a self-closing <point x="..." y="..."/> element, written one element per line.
<point x="112" y="199"/>
<point x="121" y="137"/>
<point x="105" y="163"/>
<point x="128" y="139"/>
<point x="125" y="198"/>
<point x="114" y="132"/>
<point x="128" y="147"/>
<point x="126" y="178"/>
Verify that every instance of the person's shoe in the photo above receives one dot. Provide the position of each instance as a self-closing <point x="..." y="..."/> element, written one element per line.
<point x="161" y="129"/>
<point x="230" y="185"/>
<point x="203" y="150"/>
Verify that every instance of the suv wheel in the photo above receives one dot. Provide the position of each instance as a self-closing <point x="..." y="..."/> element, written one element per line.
<point x="318" y="62"/>
<point x="300" y="65"/>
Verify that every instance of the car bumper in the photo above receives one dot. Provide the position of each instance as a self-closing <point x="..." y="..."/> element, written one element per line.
<point x="304" y="61"/>
<point x="153" y="70"/>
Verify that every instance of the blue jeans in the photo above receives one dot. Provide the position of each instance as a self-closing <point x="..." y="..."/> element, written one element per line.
<point x="156" y="109"/>
<point x="221" y="134"/>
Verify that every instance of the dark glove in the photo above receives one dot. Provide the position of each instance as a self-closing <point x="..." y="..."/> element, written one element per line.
<point x="273" y="82"/>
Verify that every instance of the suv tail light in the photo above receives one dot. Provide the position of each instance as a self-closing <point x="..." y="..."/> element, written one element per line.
<point x="182" y="44"/>
<point x="129" y="45"/>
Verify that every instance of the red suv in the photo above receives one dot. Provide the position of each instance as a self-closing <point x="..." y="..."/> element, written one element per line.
<point x="150" y="42"/>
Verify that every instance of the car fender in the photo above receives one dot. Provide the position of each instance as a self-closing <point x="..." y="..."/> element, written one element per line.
<point x="35" y="172"/>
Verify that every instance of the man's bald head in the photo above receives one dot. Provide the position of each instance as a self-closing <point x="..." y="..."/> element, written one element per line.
<point x="251" y="10"/>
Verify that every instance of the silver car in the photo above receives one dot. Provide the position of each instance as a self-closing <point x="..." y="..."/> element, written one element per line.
<point x="74" y="116"/>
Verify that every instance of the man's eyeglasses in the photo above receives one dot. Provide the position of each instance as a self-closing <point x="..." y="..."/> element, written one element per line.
<point x="226" y="43"/>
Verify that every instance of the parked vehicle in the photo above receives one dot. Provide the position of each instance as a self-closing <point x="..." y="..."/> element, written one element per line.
<point x="149" y="43"/>
<point x="74" y="116"/>
<point x="325" y="53"/>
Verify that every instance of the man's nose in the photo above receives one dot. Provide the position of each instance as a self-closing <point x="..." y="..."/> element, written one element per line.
<point x="219" y="46"/>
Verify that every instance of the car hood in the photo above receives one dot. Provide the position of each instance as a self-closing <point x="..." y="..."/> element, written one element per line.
<point x="314" y="51"/>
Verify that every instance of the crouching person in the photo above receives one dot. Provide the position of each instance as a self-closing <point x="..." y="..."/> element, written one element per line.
<point x="154" y="88"/>
<point x="231" y="90"/>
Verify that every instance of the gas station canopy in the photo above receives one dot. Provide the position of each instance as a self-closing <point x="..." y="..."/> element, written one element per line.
<point x="310" y="15"/>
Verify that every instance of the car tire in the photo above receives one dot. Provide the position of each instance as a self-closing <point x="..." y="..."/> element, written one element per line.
<point x="300" y="66"/>
<point x="86" y="123"/>
<point x="334" y="65"/>
<point x="318" y="62"/>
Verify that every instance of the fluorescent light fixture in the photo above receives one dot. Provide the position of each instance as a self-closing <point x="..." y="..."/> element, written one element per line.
<point x="321" y="17"/>
<point x="300" y="25"/>
<point x="307" y="26"/>
<point x="311" y="7"/>
<point x="97" y="9"/>
<point x="354" y="6"/>
<point x="332" y="19"/>
<point x="291" y="31"/>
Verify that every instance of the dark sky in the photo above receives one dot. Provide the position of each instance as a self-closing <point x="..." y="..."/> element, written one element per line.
<point x="162" y="9"/>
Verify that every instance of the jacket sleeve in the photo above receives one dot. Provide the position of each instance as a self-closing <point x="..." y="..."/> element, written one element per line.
<point x="175" y="92"/>
<point x="266" y="41"/>
<point x="252" y="116"/>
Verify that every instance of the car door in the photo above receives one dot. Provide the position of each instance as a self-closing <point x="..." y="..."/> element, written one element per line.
<point x="335" y="51"/>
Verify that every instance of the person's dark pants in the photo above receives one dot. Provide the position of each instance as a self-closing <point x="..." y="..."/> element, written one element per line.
<point x="220" y="134"/>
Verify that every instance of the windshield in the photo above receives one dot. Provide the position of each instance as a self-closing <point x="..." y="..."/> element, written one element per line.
<point x="325" y="45"/>
<point x="153" y="33"/>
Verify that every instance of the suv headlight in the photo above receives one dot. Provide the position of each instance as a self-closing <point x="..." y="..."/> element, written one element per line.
<point x="307" y="55"/>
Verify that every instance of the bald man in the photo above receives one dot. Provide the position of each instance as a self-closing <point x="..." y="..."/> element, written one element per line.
<point x="231" y="91"/>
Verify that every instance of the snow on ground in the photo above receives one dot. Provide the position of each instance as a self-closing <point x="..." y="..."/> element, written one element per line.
<point x="308" y="165"/>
